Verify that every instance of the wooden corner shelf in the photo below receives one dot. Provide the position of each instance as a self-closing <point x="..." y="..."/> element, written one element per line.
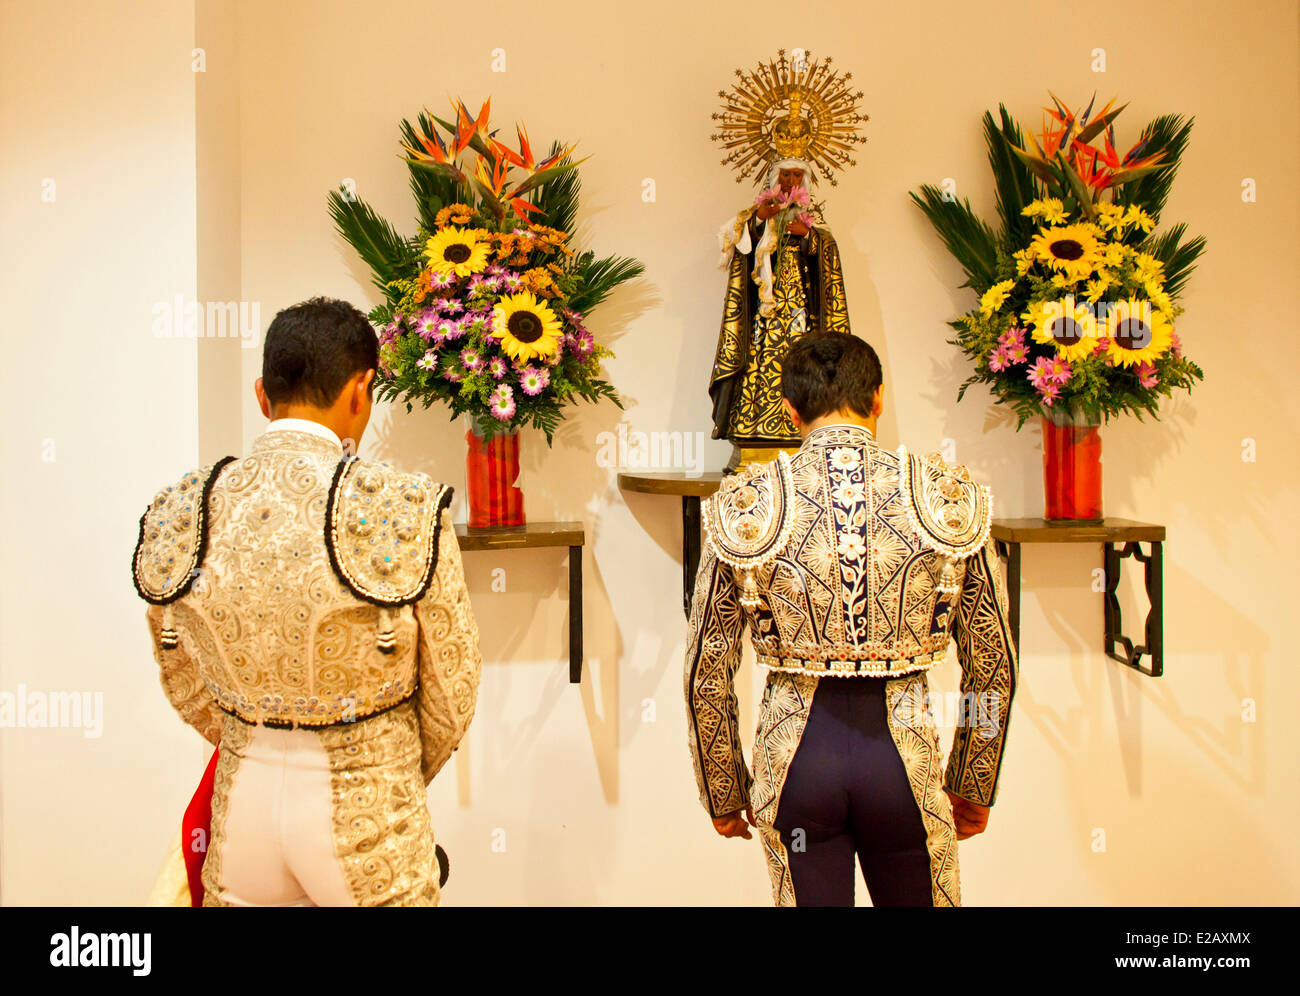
<point x="536" y="535"/>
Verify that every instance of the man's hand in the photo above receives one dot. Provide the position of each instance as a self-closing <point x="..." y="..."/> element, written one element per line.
<point x="735" y="824"/>
<point x="766" y="210"/>
<point x="797" y="228"/>
<point x="970" y="817"/>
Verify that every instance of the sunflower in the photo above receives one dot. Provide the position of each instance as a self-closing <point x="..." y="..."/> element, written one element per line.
<point x="454" y="250"/>
<point x="525" y="327"/>
<point x="1062" y="323"/>
<point x="1072" y="250"/>
<point x="1138" y="332"/>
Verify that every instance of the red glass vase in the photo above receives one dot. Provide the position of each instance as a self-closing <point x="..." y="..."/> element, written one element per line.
<point x="491" y="469"/>
<point x="1071" y="470"/>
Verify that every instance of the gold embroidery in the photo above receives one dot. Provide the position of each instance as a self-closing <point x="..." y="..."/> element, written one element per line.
<point x="235" y="736"/>
<point x="787" y="700"/>
<point x="450" y="660"/>
<point x="383" y="528"/>
<point x="912" y="727"/>
<point x="382" y="834"/>
<point x="273" y="633"/>
<point x="712" y="656"/>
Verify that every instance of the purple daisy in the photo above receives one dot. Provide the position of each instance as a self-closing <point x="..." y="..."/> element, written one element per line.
<point x="533" y="380"/>
<point x="497" y="367"/>
<point x="470" y="358"/>
<point x="503" y="403"/>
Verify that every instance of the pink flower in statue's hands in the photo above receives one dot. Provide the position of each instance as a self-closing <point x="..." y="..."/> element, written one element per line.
<point x="1146" y="374"/>
<point x="806" y="220"/>
<point x="774" y="195"/>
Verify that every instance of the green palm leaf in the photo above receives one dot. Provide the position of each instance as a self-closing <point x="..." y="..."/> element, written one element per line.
<point x="558" y="196"/>
<point x="971" y="241"/>
<point x="389" y="255"/>
<point x="1015" y="182"/>
<point x="1178" y="258"/>
<point x="1168" y="134"/>
<point x="599" y="277"/>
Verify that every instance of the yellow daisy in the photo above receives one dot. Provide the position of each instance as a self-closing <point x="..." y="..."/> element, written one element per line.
<point x="1110" y="217"/>
<point x="995" y="296"/>
<point x="1062" y="323"/>
<point x="525" y="327"/>
<point x="1139" y="218"/>
<point x="1147" y="267"/>
<point x="454" y="250"/>
<point x="1138" y="332"/>
<point x="1070" y="249"/>
<point x="1097" y="286"/>
<point x="1051" y="210"/>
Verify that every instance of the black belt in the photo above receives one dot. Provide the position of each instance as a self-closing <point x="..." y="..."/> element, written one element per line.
<point x="290" y="724"/>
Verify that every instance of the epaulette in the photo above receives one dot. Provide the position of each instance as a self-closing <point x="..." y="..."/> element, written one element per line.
<point x="749" y="520"/>
<point x="949" y="513"/>
<point x="381" y="531"/>
<point x="173" y="539"/>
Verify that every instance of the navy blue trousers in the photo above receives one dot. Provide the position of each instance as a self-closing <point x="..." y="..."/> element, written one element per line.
<point x="847" y="794"/>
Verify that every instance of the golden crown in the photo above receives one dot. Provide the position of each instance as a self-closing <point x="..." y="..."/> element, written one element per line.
<point x="796" y="108"/>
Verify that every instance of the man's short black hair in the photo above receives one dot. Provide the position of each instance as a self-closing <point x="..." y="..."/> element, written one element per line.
<point x="827" y="373"/>
<point x="313" y="348"/>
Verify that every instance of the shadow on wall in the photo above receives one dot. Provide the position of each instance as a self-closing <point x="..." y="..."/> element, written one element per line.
<point x="1214" y="654"/>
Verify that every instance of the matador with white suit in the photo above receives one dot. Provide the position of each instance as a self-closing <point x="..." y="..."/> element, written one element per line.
<point x="309" y="615"/>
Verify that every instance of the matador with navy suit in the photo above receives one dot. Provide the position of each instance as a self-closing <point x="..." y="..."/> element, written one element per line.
<point x="854" y="567"/>
<point x="309" y="615"/>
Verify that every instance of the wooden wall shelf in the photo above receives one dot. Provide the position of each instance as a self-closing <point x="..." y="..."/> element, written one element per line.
<point x="1120" y="539"/>
<point x="536" y="535"/>
<point x="691" y="490"/>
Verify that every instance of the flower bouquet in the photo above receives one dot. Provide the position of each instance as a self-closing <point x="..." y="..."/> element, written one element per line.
<point x="1078" y="291"/>
<point x="485" y="307"/>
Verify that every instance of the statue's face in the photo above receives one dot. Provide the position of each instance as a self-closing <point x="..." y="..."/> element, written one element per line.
<point x="790" y="178"/>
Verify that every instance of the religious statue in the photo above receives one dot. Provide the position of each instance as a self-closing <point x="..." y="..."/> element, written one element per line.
<point x="783" y="124"/>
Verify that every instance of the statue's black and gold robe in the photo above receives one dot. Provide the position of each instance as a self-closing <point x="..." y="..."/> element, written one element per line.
<point x="808" y="287"/>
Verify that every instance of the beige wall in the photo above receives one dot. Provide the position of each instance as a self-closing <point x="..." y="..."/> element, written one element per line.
<point x="98" y="98"/>
<point x="596" y="802"/>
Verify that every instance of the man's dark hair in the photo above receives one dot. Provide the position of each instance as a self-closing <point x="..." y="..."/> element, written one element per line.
<point x="313" y="348"/>
<point x="826" y="373"/>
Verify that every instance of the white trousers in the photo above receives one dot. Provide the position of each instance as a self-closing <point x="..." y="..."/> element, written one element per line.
<point x="279" y="848"/>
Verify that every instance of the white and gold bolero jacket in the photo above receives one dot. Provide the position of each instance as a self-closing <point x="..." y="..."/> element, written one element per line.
<point x="331" y="592"/>
<point x="847" y="560"/>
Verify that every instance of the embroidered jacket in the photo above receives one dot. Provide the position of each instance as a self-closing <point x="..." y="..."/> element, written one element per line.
<point x="848" y="560"/>
<point x="302" y="587"/>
